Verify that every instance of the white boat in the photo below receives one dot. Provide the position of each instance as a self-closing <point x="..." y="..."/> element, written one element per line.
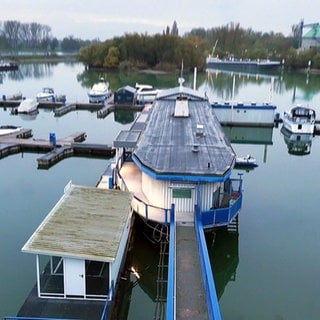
<point x="246" y="161"/>
<point x="146" y="93"/>
<point x="47" y="94"/>
<point x="300" y="120"/>
<point x="9" y="129"/>
<point x="99" y="92"/>
<point x="28" y="105"/>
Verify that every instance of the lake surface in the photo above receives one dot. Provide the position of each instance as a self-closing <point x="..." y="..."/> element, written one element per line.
<point x="268" y="270"/>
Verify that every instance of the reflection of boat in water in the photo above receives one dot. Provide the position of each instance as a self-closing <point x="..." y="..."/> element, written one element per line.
<point x="298" y="144"/>
<point x="223" y="249"/>
<point x="29" y="116"/>
<point x="249" y="135"/>
<point x="300" y="120"/>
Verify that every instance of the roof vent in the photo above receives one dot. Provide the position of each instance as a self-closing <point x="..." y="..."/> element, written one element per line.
<point x="181" y="109"/>
<point x="195" y="148"/>
<point x="200" y="130"/>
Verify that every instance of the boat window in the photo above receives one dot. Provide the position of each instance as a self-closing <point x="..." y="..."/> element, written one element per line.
<point x="181" y="193"/>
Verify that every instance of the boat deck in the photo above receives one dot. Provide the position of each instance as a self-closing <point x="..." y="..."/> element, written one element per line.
<point x="60" y="308"/>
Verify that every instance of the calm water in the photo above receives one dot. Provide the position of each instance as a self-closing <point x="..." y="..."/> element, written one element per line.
<point x="268" y="271"/>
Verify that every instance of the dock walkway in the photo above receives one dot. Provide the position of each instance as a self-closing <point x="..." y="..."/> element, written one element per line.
<point x="69" y="146"/>
<point x="191" y="300"/>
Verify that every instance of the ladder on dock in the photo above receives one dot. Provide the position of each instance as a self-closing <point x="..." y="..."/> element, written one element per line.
<point x="162" y="281"/>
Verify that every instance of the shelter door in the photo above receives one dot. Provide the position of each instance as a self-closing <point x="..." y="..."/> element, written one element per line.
<point x="74" y="277"/>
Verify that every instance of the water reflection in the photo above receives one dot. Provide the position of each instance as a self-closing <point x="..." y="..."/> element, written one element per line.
<point x="124" y="116"/>
<point x="249" y="135"/>
<point x="298" y="144"/>
<point x="303" y="86"/>
<point x="140" y="281"/>
<point x="31" y="70"/>
<point x="223" y="249"/>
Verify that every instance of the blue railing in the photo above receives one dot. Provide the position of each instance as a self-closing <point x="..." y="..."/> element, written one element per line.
<point x="171" y="301"/>
<point x="222" y="216"/>
<point x="206" y="271"/>
<point x="106" y="305"/>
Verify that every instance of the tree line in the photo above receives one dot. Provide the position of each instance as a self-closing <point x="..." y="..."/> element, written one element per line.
<point x="167" y="50"/>
<point x="16" y="36"/>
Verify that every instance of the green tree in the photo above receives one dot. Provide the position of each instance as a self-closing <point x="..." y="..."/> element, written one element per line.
<point x="112" y="58"/>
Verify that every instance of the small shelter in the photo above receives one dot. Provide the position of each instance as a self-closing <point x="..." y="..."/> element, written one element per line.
<point x="125" y="95"/>
<point x="81" y="244"/>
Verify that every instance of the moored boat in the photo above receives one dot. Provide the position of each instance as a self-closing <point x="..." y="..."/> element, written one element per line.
<point x="9" y="129"/>
<point x="28" y="105"/>
<point x="300" y="120"/>
<point x="146" y="93"/>
<point x="46" y="94"/>
<point x="176" y="153"/>
<point x="8" y="65"/>
<point x="231" y="63"/>
<point x="246" y="161"/>
<point x="99" y="92"/>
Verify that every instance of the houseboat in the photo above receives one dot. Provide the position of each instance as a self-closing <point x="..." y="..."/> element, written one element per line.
<point x="177" y="155"/>
<point x="232" y="63"/>
<point x="79" y="248"/>
<point x="245" y="114"/>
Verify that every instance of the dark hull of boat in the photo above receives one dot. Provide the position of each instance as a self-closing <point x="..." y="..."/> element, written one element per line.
<point x="243" y="65"/>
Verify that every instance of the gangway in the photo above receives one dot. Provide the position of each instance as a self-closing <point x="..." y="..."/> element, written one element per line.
<point x="191" y="290"/>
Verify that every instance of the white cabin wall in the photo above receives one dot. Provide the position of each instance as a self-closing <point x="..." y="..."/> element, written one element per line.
<point x="244" y="115"/>
<point x="154" y="190"/>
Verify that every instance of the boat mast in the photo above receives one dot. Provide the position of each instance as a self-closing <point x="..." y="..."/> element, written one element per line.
<point x="214" y="48"/>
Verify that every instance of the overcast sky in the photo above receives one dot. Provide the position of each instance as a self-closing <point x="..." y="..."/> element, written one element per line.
<point x="104" y="19"/>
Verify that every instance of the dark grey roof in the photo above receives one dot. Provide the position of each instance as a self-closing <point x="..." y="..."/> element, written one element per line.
<point x="171" y="145"/>
<point x="127" y="88"/>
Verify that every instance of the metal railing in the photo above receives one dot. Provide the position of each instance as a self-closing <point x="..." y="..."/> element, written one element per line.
<point x="171" y="289"/>
<point x="206" y="271"/>
<point x="107" y="303"/>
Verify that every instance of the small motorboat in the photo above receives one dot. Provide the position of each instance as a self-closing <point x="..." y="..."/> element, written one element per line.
<point x="99" y="92"/>
<point x="28" y="105"/>
<point x="300" y="120"/>
<point x="246" y="161"/>
<point x="47" y="94"/>
<point x="145" y="93"/>
<point x="9" y="129"/>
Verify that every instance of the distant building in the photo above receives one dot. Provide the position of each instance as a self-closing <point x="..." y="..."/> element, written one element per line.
<point x="311" y="39"/>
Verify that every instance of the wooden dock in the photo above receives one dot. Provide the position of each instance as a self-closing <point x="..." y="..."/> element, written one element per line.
<point x="69" y="146"/>
<point x="60" y="108"/>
